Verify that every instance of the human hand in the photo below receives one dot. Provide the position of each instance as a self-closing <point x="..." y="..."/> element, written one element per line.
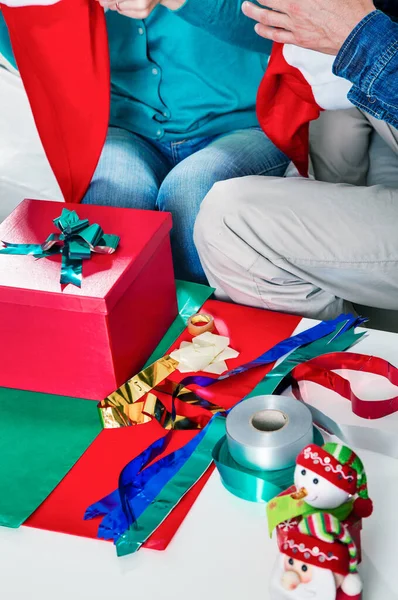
<point x="139" y="9"/>
<point x="321" y="25"/>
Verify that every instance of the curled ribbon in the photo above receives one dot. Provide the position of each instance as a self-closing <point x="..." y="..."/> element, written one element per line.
<point x="77" y="240"/>
<point x="320" y="370"/>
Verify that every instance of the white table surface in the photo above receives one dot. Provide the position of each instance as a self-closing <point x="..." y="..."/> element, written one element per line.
<point x="222" y="550"/>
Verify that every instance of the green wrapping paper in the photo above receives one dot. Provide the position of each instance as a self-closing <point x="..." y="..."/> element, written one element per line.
<point x="190" y="298"/>
<point x="41" y="438"/>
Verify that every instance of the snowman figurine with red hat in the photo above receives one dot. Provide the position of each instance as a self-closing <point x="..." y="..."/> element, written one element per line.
<point x="318" y="561"/>
<point x="327" y="477"/>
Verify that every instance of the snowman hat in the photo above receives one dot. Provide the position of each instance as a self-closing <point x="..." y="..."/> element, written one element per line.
<point x="343" y="468"/>
<point x="323" y="541"/>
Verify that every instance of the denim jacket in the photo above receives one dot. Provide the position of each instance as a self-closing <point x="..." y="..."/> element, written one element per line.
<point x="369" y="59"/>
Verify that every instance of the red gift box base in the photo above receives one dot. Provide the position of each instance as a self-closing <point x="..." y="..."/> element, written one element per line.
<point x="252" y="332"/>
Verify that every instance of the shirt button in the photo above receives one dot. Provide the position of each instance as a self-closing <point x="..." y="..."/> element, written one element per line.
<point x="155" y="71"/>
<point x="159" y="133"/>
<point x="166" y="114"/>
<point x="140" y="31"/>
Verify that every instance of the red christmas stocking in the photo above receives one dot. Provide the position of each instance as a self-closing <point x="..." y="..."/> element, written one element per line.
<point x="62" y="54"/>
<point x="298" y="84"/>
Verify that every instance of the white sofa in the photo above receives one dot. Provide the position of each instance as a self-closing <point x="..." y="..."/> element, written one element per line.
<point x="24" y="170"/>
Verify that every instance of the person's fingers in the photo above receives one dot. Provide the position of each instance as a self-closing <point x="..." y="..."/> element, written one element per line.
<point x="270" y="18"/>
<point x="136" y="9"/>
<point x="276" y="35"/>
<point x="281" y="5"/>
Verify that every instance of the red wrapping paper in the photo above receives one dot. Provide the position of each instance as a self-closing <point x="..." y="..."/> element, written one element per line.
<point x="252" y="332"/>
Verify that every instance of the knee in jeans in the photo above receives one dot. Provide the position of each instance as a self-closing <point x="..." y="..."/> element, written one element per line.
<point x="113" y="191"/>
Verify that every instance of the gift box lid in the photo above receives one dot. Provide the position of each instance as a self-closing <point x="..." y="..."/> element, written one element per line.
<point x="105" y="276"/>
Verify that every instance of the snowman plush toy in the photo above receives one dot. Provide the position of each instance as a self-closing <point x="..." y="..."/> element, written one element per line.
<point x="327" y="477"/>
<point x="318" y="523"/>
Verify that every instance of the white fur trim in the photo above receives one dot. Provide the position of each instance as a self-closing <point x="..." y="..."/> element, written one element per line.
<point x="330" y="91"/>
<point x="352" y="584"/>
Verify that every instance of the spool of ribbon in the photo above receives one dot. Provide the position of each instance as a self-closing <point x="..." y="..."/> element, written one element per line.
<point x="266" y="433"/>
<point x="77" y="240"/>
<point x="249" y="484"/>
<point x="200" y="323"/>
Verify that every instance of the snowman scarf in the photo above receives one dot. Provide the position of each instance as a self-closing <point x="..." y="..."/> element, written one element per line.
<point x="61" y="50"/>
<point x="297" y="86"/>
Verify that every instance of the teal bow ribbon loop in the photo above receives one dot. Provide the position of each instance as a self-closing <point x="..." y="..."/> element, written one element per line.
<point x="77" y="240"/>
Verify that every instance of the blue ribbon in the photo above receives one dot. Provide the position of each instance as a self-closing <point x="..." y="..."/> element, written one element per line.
<point x="138" y="486"/>
<point x="276" y="352"/>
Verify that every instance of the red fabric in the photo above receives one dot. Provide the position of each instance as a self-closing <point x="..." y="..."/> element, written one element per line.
<point x="340" y="595"/>
<point x="327" y="466"/>
<point x="285" y="107"/>
<point x="62" y="55"/>
<point x="252" y="332"/>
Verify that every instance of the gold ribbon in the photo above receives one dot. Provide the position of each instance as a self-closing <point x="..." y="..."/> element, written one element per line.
<point x="136" y="402"/>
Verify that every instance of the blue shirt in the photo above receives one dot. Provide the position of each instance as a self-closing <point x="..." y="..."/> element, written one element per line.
<point x="188" y="73"/>
<point x="174" y="79"/>
<point x="369" y="59"/>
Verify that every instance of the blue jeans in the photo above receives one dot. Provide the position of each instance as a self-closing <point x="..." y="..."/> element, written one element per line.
<point x="137" y="173"/>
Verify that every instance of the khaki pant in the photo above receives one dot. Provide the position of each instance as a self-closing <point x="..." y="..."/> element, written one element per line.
<point x="311" y="247"/>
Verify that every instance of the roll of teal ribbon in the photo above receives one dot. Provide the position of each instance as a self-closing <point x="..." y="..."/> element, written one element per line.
<point x="267" y="432"/>
<point x="256" y="459"/>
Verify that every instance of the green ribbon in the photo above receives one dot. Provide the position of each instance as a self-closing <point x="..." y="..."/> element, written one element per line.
<point x="77" y="240"/>
<point x="173" y="491"/>
<point x="275" y="380"/>
<point x="255" y="486"/>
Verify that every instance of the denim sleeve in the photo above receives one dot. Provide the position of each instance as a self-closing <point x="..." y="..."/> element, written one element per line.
<point x="225" y="20"/>
<point x="369" y="59"/>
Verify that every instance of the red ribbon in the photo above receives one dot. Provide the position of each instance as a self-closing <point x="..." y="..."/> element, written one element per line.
<point x="320" y="370"/>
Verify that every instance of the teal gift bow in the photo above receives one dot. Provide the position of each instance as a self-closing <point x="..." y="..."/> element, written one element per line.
<point x="77" y="240"/>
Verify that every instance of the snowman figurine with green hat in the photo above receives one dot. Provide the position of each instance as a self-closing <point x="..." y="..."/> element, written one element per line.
<point x="329" y="476"/>
<point x="329" y="479"/>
